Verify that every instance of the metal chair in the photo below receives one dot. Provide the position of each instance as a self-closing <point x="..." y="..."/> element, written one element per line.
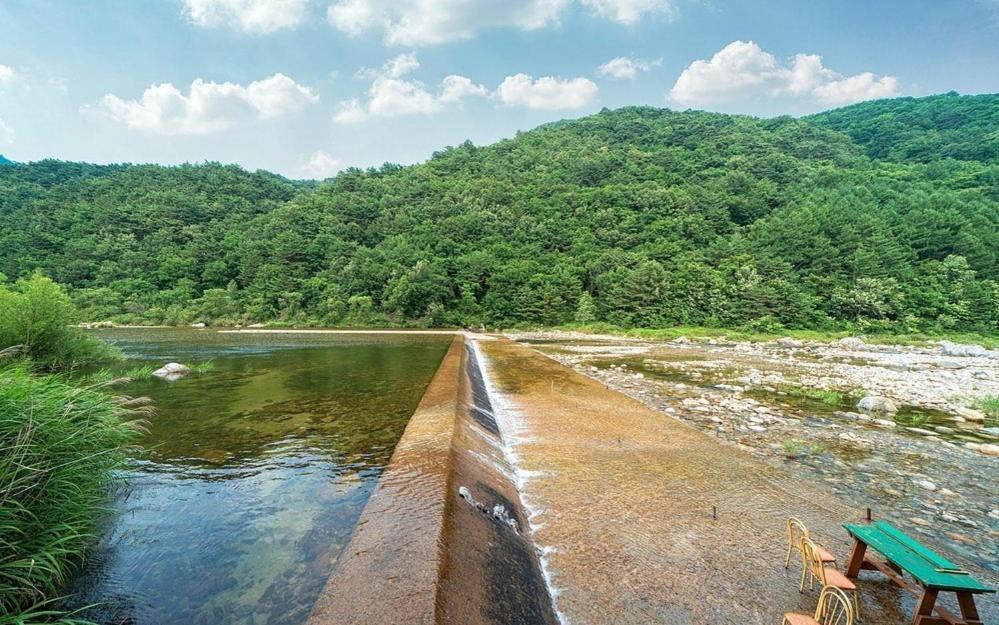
<point x="826" y="576"/>
<point x="834" y="609"/>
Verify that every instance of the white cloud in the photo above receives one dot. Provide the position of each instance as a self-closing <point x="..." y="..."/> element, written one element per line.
<point x="624" y="68"/>
<point x="6" y="73"/>
<point x="456" y="88"/>
<point x="427" y="22"/>
<point x="857" y="88"/>
<point x="350" y="112"/>
<point x="629" y="11"/>
<point x="743" y="69"/>
<point x="422" y="22"/>
<point x="256" y="17"/>
<point x="6" y="134"/>
<point x="321" y="165"/>
<point x="208" y="106"/>
<point x="391" y="94"/>
<point x="548" y="93"/>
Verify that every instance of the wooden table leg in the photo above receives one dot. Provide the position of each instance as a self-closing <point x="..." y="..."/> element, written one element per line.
<point x="925" y="606"/>
<point x="968" y="610"/>
<point x="856" y="558"/>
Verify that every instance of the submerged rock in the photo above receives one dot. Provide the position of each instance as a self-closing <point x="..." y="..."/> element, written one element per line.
<point x="172" y="371"/>
<point x="876" y="403"/>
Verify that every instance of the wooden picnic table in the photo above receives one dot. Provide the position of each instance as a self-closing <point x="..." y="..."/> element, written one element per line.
<point x="933" y="573"/>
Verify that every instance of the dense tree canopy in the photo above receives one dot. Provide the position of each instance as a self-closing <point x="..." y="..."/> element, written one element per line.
<point x="882" y="215"/>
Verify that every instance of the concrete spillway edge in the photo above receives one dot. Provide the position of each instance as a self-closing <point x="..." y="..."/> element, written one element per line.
<point x="445" y="537"/>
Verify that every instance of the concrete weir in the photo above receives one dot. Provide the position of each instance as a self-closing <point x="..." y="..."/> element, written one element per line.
<point x="525" y="493"/>
<point x="443" y="539"/>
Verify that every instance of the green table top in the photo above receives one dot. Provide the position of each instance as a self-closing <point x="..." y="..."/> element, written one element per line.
<point x="929" y="568"/>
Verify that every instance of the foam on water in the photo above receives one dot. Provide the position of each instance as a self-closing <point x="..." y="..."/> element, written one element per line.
<point x="511" y="436"/>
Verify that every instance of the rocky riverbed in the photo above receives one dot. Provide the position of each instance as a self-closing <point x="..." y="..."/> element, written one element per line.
<point x="919" y="454"/>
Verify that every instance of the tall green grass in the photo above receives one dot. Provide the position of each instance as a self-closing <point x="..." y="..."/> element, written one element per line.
<point x="59" y="446"/>
<point x="36" y="314"/>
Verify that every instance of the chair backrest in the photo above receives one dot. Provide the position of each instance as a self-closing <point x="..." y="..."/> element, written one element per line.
<point x="813" y="559"/>
<point x="796" y="531"/>
<point x="834" y="607"/>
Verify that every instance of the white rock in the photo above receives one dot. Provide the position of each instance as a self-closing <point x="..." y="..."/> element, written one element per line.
<point x="884" y="423"/>
<point x="957" y="349"/>
<point x="851" y="342"/>
<point x="989" y="449"/>
<point x="876" y="403"/>
<point x="928" y="485"/>
<point x="172" y="371"/>
<point x="951" y="364"/>
<point x="198" y="325"/>
<point x="970" y="414"/>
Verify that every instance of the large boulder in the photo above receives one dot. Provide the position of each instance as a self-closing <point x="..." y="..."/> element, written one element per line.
<point x="172" y="371"/>
<point x="876" y="404"/>
<point x="959" y="350"/>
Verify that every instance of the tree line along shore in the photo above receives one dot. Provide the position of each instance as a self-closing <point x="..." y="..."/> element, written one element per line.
<point x="881" y="218"/>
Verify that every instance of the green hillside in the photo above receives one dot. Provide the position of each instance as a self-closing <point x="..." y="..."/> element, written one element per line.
<point x="881" y="216"/>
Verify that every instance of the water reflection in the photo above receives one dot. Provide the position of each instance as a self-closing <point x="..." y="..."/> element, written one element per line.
<point x="252" y="476"/>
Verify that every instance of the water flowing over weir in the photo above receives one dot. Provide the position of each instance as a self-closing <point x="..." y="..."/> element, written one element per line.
<point x="445" y="538"/>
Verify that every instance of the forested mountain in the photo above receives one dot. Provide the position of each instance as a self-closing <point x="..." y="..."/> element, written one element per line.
<point x="883" y="215"/>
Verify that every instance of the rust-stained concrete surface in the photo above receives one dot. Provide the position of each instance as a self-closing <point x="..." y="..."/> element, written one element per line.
<point x="621" y="497"/>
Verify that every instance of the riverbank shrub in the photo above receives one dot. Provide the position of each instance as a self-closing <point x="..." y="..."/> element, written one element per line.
<point x="37" y="314"/>
<point x="59" y="446"/>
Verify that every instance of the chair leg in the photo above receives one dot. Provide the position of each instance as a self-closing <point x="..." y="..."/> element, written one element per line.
<point x="856" y="605"/>
<point x="787" y="560"/>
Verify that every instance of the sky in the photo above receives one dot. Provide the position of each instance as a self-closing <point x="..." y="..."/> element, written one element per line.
<point x="306" y="88"/>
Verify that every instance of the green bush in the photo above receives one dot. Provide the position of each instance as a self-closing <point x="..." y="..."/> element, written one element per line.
<point x="37" y="314"/>
<point x="59" y="445"/>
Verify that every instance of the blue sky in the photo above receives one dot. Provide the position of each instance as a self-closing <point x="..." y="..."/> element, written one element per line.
<point x="305" y="87"/>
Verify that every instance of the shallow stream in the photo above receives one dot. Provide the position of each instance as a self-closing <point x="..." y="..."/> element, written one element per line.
<point x="252" y="474"/>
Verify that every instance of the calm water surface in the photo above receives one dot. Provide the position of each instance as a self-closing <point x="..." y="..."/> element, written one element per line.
<point x="252" y="475"/>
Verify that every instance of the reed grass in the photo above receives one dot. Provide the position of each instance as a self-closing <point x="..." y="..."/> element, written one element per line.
<point x="60" y="443"/>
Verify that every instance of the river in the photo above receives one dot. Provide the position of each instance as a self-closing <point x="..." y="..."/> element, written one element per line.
<point x="252" y="474"/>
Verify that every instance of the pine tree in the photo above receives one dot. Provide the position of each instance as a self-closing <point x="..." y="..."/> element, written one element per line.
<point x="586" y="312"/>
